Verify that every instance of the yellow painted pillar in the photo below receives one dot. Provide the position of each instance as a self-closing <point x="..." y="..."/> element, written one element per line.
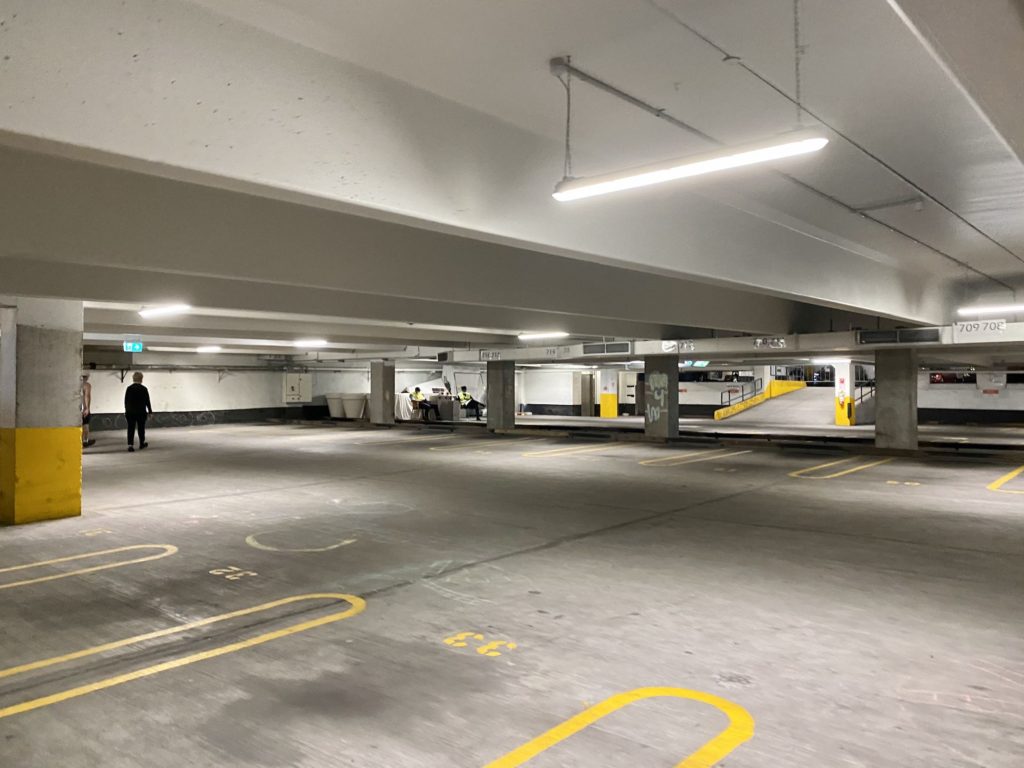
<point x="40" y="410"/>
<point x="845" y="393"/>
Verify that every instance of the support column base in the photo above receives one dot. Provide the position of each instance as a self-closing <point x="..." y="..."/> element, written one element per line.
<point x="40" y="474"/>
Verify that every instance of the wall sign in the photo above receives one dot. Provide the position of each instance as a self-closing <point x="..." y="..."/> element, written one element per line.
<point x="486" y="354"/>
<point x="132" y="346"/>
<point x="970" y="331"/>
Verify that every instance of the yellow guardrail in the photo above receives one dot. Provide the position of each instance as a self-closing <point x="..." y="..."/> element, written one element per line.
<point x="774" y="389"/>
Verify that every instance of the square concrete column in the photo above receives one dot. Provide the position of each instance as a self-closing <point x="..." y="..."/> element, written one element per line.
<point x="661" y="396"/>
<point x="382" y="392"/>
<point x="501" y="394"/>
<point x="40" y="410"/>
<point x="896" y="399"/>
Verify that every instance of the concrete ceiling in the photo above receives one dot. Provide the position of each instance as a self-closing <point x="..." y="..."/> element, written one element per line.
<point x="382" y="162"/>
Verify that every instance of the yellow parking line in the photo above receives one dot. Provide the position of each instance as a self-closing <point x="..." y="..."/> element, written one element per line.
<point x="168" y="549"/>
<point x="568" y="451"/>
<point x="739" y="730"/>
<point x="690" y="458"/>
<point x="802" y="474"/>
<point x="357" y="606"/>
<point x="997" y="485"/>
<point x="483" y="443"/>
<point x="407" y="440"/>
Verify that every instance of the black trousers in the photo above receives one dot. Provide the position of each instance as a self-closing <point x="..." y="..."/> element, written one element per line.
<point x="136" y="420"/>
<point x="473" y="405"/>
<point x="426" y="407"/>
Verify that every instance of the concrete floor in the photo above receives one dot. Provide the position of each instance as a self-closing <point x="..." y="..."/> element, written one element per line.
<point x="873" y="616"/>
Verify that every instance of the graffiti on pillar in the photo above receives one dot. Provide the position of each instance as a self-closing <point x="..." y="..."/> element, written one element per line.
<point x="656" y="394"/>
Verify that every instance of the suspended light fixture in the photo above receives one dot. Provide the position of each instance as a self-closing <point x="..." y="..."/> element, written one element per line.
<point x="213" y="348"/>
<point x="310" y="343"/>
<point x="1004" y="309"/>
<point x="164" y="311"/>
<point x="787" y="145"/>
<point x="548" y="335"/>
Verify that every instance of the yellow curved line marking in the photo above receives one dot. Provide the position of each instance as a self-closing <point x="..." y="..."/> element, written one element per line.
<point x="997" y="485"/>
<point x="739" y="730"/>
<point x="168" y="549"/>
<point x="357" y="606"/>
<point x="802" y="474"/>
<point x="252" y="541"/>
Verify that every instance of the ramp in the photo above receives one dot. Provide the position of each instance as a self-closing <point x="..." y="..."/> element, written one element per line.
<point x="810" y="407"/>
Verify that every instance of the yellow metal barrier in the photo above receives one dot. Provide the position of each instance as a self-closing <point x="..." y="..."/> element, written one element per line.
<point x="774" y="389"/>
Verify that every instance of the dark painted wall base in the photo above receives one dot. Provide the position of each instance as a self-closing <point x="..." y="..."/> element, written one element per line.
<point x="951" y="416"/>
<point x="107" y="421"/>
<point x="540" y="409"/>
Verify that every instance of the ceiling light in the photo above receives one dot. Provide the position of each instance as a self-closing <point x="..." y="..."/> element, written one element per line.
<point x="308" y="343"/>
<point x="833" y="361"/>
<point x="787" y="145"/>
<point x="1005" y="309"/>
<point x="208" y="350"/>
<point x="548" y="335"/>
<point x="164" y="311"/>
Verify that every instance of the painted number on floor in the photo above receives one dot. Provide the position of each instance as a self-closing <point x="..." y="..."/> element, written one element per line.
<point x="232" y="572"/>
<point x="479" y="642"/>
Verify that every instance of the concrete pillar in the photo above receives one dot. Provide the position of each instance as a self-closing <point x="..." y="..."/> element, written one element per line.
<point x="896" y="399"/>
<point x="845" y="385"/>
<point x="501" y="394"/>
<point x="764" y="373"/>
<point x="661" y="396"/>
<point x="40" y="410"/>
<point x="382" y="392"/>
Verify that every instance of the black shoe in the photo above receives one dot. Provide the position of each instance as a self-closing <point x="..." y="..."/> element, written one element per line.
<point x="131" y="449"/>
<point x="143" y="445"/>
<point x="87" y="443"/>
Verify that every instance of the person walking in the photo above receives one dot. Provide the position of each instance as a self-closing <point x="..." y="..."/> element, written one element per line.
<point x="467" y="401"/>
<point x="86" y="411"/>
<point x="136" y="409"/>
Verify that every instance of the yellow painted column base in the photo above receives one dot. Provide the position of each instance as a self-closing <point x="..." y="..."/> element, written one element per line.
<point x="40" y="474"/>
<point x="609" y="405"/>
<point x="845" y="413"/>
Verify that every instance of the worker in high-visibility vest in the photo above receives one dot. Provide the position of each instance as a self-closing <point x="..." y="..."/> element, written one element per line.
<point x="425" y="405"/>
<point x="466" y="401"/>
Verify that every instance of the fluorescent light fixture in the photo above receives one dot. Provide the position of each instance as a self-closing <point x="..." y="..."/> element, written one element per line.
<point x="1005" y="309"/>
<point x="786" y="145"/>
<point x="164" y="311"/>
<point x="830" y="360"/>
<point x="208" y="350"/>
<point x="701" y="363"/>
<point x="309" y="343"/>
<point x="548" y="335"/>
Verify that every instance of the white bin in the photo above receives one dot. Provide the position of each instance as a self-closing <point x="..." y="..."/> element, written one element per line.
<point x="335" y="406"/>
<point x="354" y="405"/>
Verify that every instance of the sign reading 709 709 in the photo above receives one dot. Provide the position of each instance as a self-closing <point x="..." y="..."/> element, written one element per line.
<point x="967" y="331"/>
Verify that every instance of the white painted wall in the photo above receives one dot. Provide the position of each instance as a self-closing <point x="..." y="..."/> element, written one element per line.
<point x="192" y="390"/>
<point x="967" y="396"/>
<point x="547" y="387"/>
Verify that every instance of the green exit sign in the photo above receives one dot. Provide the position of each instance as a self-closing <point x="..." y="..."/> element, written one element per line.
<point x="132" y="346"/>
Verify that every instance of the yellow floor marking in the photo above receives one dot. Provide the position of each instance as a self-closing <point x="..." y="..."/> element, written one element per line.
<point x="997" y="485"/>
<point x="485" y="443"/>
<point x="739" y="730"/>
<point x="168" y="549"/>
<point x="568" y="450"/>
<point x="407" y="440"/>
<point x="253" y="542"/>
<point x="676" y="460"/>
<point x="803" y="473"/>
<point x="357" y="606"/>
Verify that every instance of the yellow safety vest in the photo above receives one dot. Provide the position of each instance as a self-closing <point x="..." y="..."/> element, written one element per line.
<point x="465" y="397"/>
<point x="418" y="396"/>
